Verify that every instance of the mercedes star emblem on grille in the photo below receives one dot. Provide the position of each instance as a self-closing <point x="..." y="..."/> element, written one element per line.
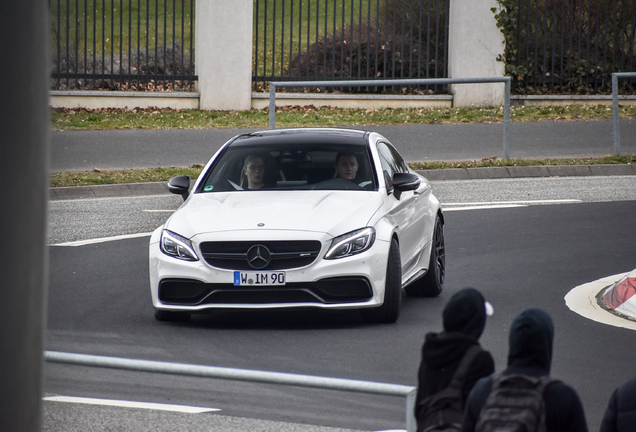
<point x="258" y="256"/>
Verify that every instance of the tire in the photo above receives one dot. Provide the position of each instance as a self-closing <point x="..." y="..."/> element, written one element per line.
<point x="164" y="315"/>
<point x="389" y="311"/>
<point x="432" y="283"/>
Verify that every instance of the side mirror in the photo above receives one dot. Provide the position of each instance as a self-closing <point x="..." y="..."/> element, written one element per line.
<point x="404" y="182"/>
<point x="180" y="185"/>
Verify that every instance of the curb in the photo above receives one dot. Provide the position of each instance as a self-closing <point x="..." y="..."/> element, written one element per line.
<point x="528" y="171"/>
<point x="161" y="188"/>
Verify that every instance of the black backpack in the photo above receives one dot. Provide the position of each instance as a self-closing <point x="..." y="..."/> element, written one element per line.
<point x="515" y="404"/>
<point x="443" y="411"/>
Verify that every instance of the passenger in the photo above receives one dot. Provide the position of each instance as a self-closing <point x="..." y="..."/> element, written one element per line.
<point x="620" y="415"/>
<point x="346" y="166"/>
<point x="530" y="354"/>
<point x="464" y="319"/>
<point x="253" y="173"/>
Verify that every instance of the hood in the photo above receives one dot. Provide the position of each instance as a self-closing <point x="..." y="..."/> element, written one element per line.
<point x="465" y="313"/>
<point x="530" y="341"/>
<point x="332" y="212"/>
<point x="441" y="349"/>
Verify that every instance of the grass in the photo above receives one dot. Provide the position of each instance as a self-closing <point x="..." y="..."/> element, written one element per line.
<point x="98" y="177"/>
<point x="81" y="119"/>
<point x="497" y="162"/>
<point x="153" y="118"/>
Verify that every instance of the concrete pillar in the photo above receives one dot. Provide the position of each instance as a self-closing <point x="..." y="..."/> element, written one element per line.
<point x="474" y="44"/>
<point x="24" y="167"/>
<point x="223" y="54"/>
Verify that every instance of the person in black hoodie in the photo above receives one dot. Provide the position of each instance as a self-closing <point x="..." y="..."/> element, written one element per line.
<point x="530" y="353"/>
<point x="620" y="415"/>
<point x="464" y="319"/>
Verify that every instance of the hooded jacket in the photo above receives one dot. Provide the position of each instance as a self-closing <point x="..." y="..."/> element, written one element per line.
<point x="620" y="415"/>
<point x="464" y="319"/>
<point x="530" y="353"/>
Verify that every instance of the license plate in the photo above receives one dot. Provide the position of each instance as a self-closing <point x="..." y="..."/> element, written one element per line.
<point x="259" y="278"/>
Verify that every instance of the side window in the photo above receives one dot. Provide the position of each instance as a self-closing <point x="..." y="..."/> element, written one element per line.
<point x="391" y="161"/>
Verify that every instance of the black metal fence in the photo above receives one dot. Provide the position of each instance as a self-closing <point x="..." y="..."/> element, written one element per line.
<point x="122" y="44"/>
<point x="310" y="40"/>
<point x="568" y="46"/>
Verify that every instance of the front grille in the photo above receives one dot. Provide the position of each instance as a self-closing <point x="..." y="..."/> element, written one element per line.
<point x="330" y="290"/>
<point x="232" y="255"/>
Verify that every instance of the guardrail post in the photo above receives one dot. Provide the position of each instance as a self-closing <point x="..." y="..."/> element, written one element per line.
<point x="615" y="111"/>
<point x="616" y="116"/>
<point x="506" y="126"/>
<point x="411" y="421"/>
<point x="272" y="105"/>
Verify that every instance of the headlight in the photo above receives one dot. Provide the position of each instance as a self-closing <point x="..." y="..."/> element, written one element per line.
<point x="177" y="246"/>
<point x="351" y="243"/>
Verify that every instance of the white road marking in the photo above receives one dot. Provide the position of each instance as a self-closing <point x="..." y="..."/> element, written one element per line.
<point x="131" y="404"/>
<point x="159" y="211"/>
<point x="500" y="204"/>
<point x="482" y="207"/>
<point x="582" y="300"/>
<point x="446" y="206"/>
<point x="393" y="430"/>
<point x="560" y="201"/>
<point x="102" y="239"/>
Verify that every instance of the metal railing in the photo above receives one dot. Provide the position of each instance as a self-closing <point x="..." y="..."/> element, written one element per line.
<point x="615" y="112"/>
<point x="312" y="40"/>
<point x="568" y="46"/>
<point x="372" y="83"/>
<point x="191" y="370"/>
<point x="122" y="44"/>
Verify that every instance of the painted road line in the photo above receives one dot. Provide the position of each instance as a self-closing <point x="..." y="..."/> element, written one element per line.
<point x="102" y="239"/>
<point x="130" y="404"/>
<point x="482" y="207"/>
<point x="560" y="201"/>
<point x="582" y="300"/>
<point x="446" y="206"/>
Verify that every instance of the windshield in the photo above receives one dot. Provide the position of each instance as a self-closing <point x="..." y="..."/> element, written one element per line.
<point x="291" y="167"/>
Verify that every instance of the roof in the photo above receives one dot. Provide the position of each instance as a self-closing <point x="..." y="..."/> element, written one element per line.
<point x="303" y="136"/>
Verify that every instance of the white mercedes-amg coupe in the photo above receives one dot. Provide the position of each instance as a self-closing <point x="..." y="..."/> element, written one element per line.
<point x="299" y="218"/>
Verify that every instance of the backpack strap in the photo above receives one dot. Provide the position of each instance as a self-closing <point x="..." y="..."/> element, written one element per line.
<point x="462" y="370"/>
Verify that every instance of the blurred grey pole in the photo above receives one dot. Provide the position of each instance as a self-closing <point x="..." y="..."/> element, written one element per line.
<point x="506" y="128"/>
<point x="24" y="164"/>
<point x="616" y="116"/>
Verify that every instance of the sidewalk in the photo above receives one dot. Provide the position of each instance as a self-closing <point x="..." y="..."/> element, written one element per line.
<point x="161" y="188"/>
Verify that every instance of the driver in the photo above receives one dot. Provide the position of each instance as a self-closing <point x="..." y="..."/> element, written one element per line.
<point x="253" y="173"/>
<point x="346" y="166"/>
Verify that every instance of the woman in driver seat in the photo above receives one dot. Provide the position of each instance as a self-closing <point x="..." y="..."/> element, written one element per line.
<point x="253" y="173"/>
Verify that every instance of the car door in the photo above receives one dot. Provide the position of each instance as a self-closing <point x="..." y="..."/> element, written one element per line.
<point x="409" y="213"/>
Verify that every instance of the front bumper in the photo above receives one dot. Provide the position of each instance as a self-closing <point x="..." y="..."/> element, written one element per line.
<point x="352" y="282"/>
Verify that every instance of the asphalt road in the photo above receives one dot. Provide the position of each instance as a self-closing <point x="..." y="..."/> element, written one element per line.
<point x="530" y="255"/>
<point x="125" y="149"/>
